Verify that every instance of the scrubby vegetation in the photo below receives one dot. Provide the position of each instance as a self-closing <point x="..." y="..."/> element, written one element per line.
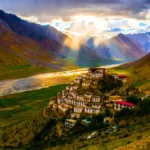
<point x="25" y="104"/>
<point x="101" y="86"/>
<point x="134" y="99"/>
<point x="109" y="84"/>
<point x="142" y="109"/>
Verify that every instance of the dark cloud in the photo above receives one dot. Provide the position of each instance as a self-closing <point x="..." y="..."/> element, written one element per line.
<point x="48" y="9"/>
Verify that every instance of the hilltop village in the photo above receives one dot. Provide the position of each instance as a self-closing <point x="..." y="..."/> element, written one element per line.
<point x="82" y="96"/>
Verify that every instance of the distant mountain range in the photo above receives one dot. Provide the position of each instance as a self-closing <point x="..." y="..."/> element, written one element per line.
<point x="124" y="47"/>
<point x="56" y="46"/>
<point x="23" y="42"/>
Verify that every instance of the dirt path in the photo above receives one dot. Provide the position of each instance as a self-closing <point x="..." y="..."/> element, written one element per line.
<point x="44" y="114"/>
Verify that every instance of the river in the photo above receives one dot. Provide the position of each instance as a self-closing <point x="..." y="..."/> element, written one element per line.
<point x="40" y="81"/>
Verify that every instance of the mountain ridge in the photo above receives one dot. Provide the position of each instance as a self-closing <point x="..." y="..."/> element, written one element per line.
<point x="53" y="41"/>
<point x="126" y="47"/>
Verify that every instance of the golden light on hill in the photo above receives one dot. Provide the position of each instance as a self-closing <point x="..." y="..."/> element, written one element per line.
<point x="73" y="44"/>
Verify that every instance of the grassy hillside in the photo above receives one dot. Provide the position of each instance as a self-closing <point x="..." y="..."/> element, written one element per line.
<point x="135" y="130"/>
<point x="22" y="123"/>
<point x="138" y="72"/>
<point x="20" y="107"/>
<point x="16" y="72"/>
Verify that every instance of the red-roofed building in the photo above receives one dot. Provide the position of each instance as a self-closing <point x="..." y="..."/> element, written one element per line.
<point x="119" y="104"/>
<point x="122" y="77"/>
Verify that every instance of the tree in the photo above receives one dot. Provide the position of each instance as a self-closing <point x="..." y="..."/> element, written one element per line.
<point x="145" y="106"/>
<point x="124" y="113"/>
<point x="134" y="99"/>
<point x="98" y="118"/>
<point x="108" y="113"/>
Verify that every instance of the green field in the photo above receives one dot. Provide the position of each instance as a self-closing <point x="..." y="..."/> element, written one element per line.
<point x="17" y="72"/>
<point x="19" y="107"/>
<point x="22" y="71"/>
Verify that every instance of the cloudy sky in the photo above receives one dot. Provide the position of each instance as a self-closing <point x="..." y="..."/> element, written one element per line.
<point x="84" y="18"/>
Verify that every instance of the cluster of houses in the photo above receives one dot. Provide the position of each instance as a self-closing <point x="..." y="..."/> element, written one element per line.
<point x="89" y="103"/>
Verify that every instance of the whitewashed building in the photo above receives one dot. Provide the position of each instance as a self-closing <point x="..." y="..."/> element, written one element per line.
<point x="75" y="87"/>
<point x="80" y="97"/>
<point x="60" y="100"/>
<point x="79" y="78"/>
<point x="67" y="88"/>
<point x="75" y="115"/>
<point x="97" y="75"/>
<point x="96" y="99"/>
<point x="73" y="94"/>
<point x="86" y="84"/>
<point x="115" y="76"/>
<point x="80" y="103"/>
<point x="122" y="104"/>
<point x="71" y="88"/>
<point x="84" y="75"/>
<point x="63" y="107"/>
<point x="88" y="95"/>
<point x="77" y="81"/>
<point x="88" y="110"/>
<point x="96" y="105"/>
<point x="78" y="109"/>
<point x="91" y="110"/>
<point x="70" y="122"/>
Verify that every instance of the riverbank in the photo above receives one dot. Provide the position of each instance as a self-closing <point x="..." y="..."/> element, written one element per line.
<point x="40" y="81"/>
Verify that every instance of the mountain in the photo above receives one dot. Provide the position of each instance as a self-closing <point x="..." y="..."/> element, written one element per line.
<point x="138" y="72"/>
<point x="17" y="50"/>
<point x="47" y="36"/>
<point x="139" y="65"/>
<point x="51" y="39"/>
<point x="58" y="47"/>
<point x="143" y="39"/>
<point x="123" y="47"/>
<point x="57" y="44"/>
<point x="95" y="41"/>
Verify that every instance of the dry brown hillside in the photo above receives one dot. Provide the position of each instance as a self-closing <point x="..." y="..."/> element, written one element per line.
<point x="16" y="50"/>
